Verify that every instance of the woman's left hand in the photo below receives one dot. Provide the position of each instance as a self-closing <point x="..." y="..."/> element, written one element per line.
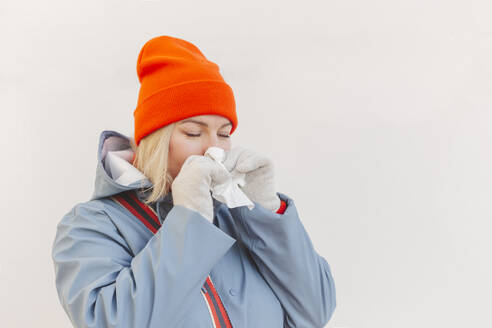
<point x="260" y="184"/>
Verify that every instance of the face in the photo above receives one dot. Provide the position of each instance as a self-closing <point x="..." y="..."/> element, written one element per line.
<point x="194" y="135"/>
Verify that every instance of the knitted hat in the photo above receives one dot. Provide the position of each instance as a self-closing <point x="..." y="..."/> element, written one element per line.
<point x="177" y="82"/>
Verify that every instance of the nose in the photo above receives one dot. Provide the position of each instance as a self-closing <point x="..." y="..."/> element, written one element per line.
<point x="213" y="141"/>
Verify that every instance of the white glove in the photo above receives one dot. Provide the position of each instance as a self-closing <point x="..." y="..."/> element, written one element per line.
<point x="191" y="187"/>
<point x="228" y="193"/>
<point x="259" y="169"/>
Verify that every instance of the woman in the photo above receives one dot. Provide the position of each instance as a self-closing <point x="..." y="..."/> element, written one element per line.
<point x="153" y="248"/>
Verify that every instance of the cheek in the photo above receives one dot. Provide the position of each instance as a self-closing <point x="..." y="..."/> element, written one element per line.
<point x="179" y="150"/>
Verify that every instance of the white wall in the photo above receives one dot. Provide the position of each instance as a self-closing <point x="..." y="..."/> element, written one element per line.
<point x="376" y="113"/>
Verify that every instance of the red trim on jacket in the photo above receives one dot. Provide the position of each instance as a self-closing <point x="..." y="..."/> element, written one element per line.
<point x="283" y="206"/>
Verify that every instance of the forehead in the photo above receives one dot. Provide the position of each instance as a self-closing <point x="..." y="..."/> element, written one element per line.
<point x="208" y="119"/>
<point x="211" y="117"/>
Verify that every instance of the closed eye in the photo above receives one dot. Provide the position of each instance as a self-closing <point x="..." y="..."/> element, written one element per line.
<point x="197" y="135"/>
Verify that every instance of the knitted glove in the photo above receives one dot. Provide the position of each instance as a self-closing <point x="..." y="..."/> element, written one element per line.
<point x="191" y="187"/>
<point x="260" y="184"/>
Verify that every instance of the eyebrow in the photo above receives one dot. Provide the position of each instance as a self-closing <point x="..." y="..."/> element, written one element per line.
<point x="202" y="123"/>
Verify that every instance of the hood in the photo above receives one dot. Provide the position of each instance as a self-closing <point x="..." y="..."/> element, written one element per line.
<point x="115" y="172"/>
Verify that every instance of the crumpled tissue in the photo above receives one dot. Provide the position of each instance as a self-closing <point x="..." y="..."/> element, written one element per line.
<point x="229" y="192"/>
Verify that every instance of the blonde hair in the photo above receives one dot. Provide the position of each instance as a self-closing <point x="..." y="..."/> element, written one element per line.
<point x="151" y="158"/>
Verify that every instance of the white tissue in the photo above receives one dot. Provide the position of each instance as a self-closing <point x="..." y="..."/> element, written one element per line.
<point x="228" y="192"/>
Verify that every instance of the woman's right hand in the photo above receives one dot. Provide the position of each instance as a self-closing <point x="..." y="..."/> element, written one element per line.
<point x="191" y="187"/>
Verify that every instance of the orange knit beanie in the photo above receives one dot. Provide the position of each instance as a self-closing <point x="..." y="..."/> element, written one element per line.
<point x="177" y="82"/>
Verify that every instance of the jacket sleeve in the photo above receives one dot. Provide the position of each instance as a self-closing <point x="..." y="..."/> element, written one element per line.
<point x="100" y="283"/>
<point x="283" y="252"/>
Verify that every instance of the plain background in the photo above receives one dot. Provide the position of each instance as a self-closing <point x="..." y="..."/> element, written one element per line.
<point x="377" y="115"/>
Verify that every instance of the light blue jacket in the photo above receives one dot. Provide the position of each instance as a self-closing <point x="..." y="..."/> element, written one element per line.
<point x="111" y="271"/>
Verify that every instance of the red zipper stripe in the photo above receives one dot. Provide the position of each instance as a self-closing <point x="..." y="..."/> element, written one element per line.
<point x="125" y="204"/>
<point x="146" y="208"/>
<point x="214" y="311"/>
<point x="219" y="302"/>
